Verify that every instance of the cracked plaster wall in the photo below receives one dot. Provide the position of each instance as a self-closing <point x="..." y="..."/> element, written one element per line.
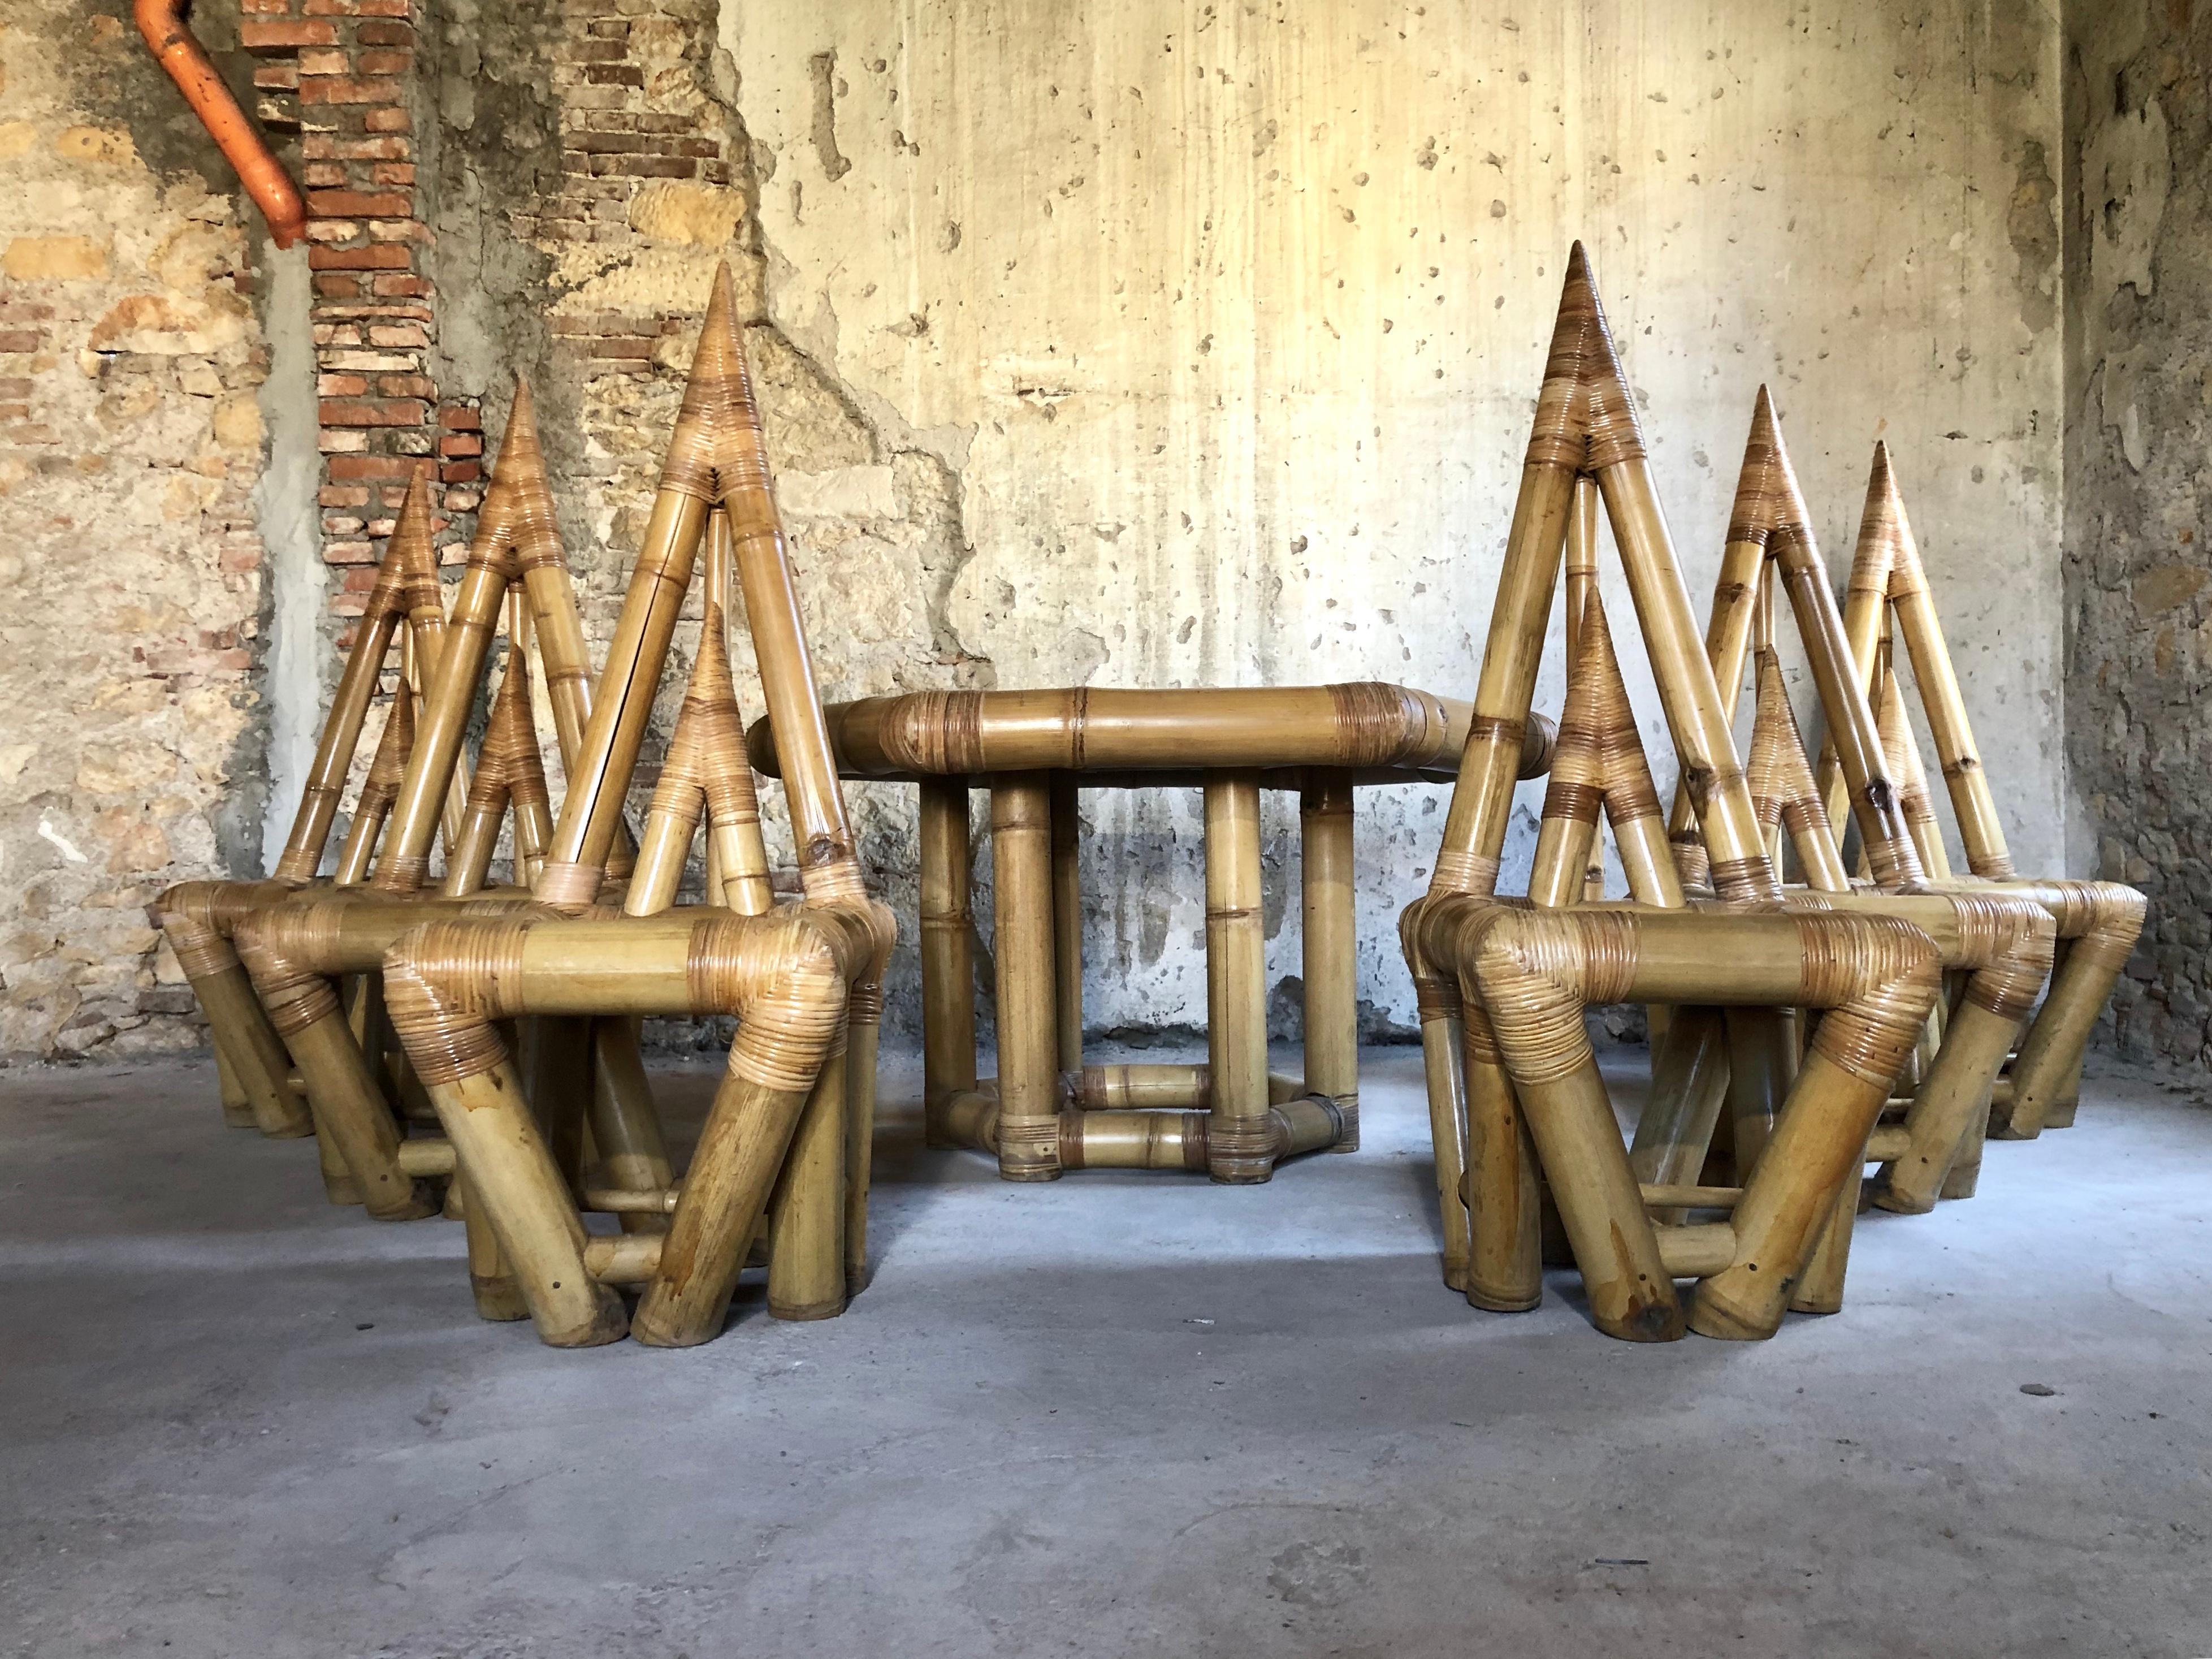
<point x="2138" y="571"/>
<point x="1223" y="324"/>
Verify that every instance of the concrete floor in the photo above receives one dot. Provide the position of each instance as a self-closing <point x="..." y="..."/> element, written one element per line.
<point x="1119" y="1415"/>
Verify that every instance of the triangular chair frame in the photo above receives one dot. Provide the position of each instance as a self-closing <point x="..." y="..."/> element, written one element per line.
<point x="1524" y="976"/>
<point x="802" y="980"/>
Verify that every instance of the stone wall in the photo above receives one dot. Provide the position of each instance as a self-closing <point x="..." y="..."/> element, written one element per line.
<point x="2139" y="442"/>
<point x="131" y="358"/>
<point x="1184" y="350"/>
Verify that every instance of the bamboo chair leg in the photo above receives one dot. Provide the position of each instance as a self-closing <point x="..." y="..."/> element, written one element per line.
<point x="555" y="1058"/>
<point x="1940" y="1122"/>
<point x="1502" y="1199"/>
<point x="1442" y="1035"/>
<point x="806" y="1215"/>
<point x="726" y="1193"/>
<point x="515" y="1183"/>
<point x="355" y="1114"/>
<point x="1789" y="1200"/>
<point x="258" y="1055"/>
<point x="1240" y="1142"/>
<point x="498" y="1293"/>
<point x="2047" y="1076"/>
<point x="1762" y="1063"/>
<point x="1330" y="944"/>
<point x="862" y="1041"/>
<point x="1067" y="920"/>
<point x="1689" y="1084"/>
<point x="624" y="1125"/>
<point x="1631" y="1295"/>
<point x="1967" y="1169"/>
<point x="1820" y="1291"/>
<point x="237" y="1109"/>
<point x="1028" y="1076"/>
<point x="948" y="961"/>
<point x="338" y="1185"/>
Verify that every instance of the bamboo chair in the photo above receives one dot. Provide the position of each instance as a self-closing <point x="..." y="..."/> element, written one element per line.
<point x="802" y="980"/>
<point x="2098" y="922"/>
<point x="1046" y="1112"/>
<point x="405" y="609"/>
<point x="1526" y="1077"/>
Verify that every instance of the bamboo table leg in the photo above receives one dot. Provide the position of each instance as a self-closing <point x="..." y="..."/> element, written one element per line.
<point x="948" y="962"/>
<point x="1066" y="922"/>
<point x="1331" y="948"/>
<point x="1240" y="1140"/>
<point x="1028" y="1069"/>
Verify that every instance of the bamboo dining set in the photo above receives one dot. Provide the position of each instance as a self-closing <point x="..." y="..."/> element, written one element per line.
<point x="1825" y="994"/>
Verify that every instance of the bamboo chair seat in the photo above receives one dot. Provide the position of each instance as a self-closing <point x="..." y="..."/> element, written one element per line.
<point x="1046" y="1112"/>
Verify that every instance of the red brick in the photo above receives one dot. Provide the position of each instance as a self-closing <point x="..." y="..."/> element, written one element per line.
<point x="398" y="334"/>
<point x="386" y="120"/>
<point x="383" y="34"/>
<point x="394" y="172"/>
<point x="614" y="75"/>
<point x="460" y="444"/>
<point x="459" y="472"/>
<point x="325" y="60"/>
<point x="385" y="63"/>
<point x="404" y="386"/>
<point x="388" y="256"/>
<point x="609" y="346"/>
<point x="341" y="385"/>
<point x="277" y="77"/>
<point x="461" y="417"/>
<point x="351" y="89"/>
<point x="236" y="560"/>
<point x="343" y="203"/>
<point x="272" y="39"/>
<point x="354" y="411"/>
<point x="349" y="553"/>
<point x="264" y="7"/>
<point x="336" y="284"/>
<point x="403" y="287"/>
<point x="20" y="339"/>
<point x="342" y="495"/>
<point x="317" y="176"/>
<point x="369" y="466"/>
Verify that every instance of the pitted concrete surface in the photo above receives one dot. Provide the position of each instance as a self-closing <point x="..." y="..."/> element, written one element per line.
<point x="1118" y="1415"/>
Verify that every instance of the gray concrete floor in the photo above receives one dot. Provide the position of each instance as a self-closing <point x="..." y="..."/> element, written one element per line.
<point x="1122" y="1415"/>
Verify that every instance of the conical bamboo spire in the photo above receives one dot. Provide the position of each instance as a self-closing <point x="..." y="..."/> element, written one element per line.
<point x="1782" y="787"/>
<point x="385" y="769"/>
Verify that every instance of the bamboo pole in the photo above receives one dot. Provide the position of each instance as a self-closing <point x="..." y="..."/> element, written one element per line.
<point x="387" y="766"/>
<point x="1330" y="944"/>
<point x="338" y="1185"/>
<point x="1239" y="1149"/>
<point x="1782" y="789"/>
<point x="806" y="1221"/>
<point x="1884" y="529"/>
<point x="1503" y="1203"/>
<point x="326" y="777"/>
<point x="492" y="1282"/>
<point x="1067" y="920"/>
<point x="237" y="1109"/>
<point x="1374" y="730"/>
<point x="1021" y="862"/>
<point x="948" y="969"/>
<point x="1902" y="752"/>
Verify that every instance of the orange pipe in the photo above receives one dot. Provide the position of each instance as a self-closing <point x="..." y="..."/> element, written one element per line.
<point x="180" y="52"/>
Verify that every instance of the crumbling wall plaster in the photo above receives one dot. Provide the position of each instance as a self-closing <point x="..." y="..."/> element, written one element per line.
<point x="131" y="729"/>
<point x="1224" y="324"/>
<point x="2139" y="570"/>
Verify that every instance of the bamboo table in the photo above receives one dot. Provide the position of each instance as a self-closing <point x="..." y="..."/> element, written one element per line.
<point x="1046" y="1112"/>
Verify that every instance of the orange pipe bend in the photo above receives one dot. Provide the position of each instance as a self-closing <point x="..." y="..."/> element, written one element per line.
<point x="180" y="52"/>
